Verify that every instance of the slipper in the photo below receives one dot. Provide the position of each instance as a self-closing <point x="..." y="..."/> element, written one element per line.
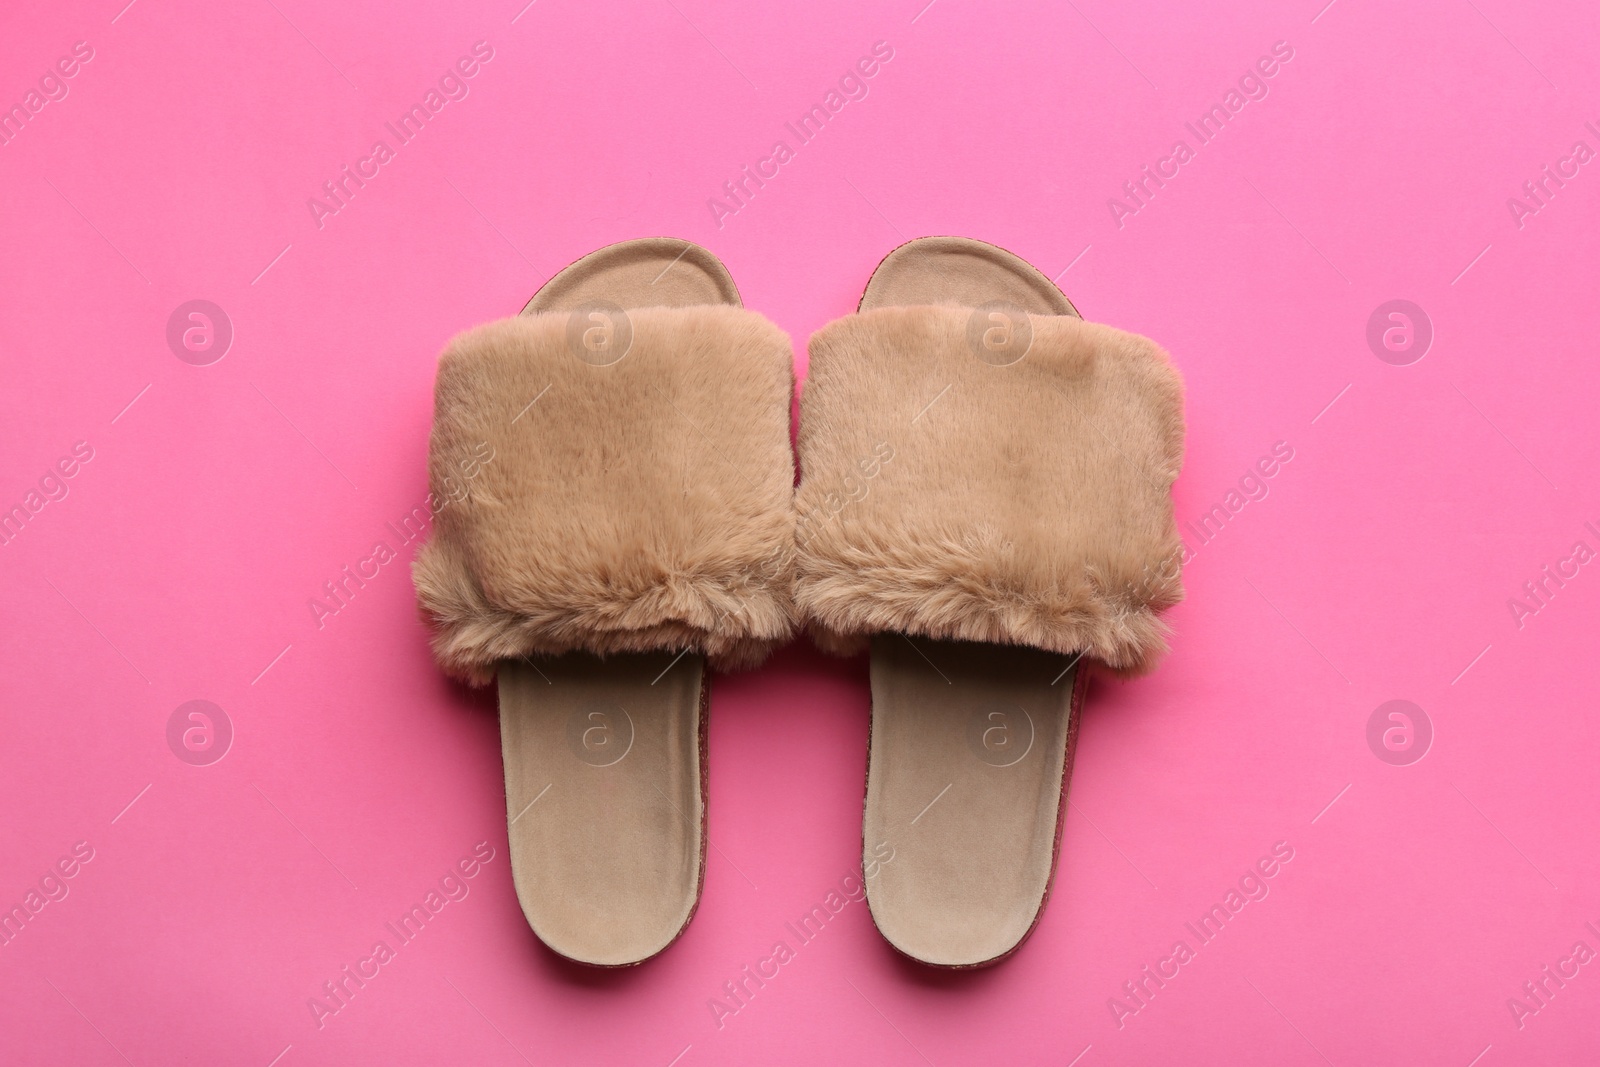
<point x="617" y="512"/>
<point x="985" y="500"/>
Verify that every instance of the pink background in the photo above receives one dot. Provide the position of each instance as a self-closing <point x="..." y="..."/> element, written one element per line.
<point x="181" y="563"/>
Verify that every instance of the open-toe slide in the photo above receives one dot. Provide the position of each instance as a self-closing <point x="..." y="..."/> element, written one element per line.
<point x="985" y="504"/>
<point x="617" y="512"/>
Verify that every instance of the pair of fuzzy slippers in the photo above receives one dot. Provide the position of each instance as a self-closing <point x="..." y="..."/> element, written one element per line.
<point x="985" y="504"/>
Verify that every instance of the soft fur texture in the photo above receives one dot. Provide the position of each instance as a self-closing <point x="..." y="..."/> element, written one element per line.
<point x="638" y="506"/>
<point x="1026" y="504"/>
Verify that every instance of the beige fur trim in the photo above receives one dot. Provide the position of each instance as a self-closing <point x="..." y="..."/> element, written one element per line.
<point x="1025" y="504"/>
<point x="643" y="505"/>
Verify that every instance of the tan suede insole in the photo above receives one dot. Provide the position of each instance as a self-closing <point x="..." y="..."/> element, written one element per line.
<point x="971" y="743"/>
<point x="604" y="758"/>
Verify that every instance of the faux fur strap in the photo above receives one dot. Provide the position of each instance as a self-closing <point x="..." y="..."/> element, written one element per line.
<point x="1019" y="495"/>
<point x="640" y="505"/>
